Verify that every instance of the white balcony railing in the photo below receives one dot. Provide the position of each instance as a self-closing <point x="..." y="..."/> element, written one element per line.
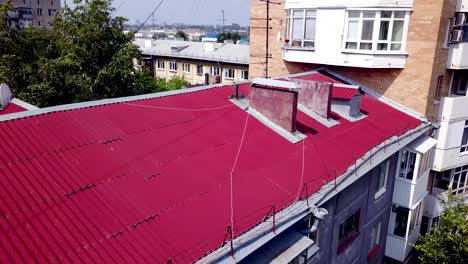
<point x="462" y="6"/>
<point x="458" y="56"/>
<point x="409" y="193"/>
<point x="398" y="248"/>
<point x="453" y="114"/>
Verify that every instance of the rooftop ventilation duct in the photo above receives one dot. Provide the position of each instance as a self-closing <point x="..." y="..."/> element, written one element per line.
<point x="5" y="95"/>
<point x="276" y="101"/>
<point x="209" y="46"/>
<point x="315" y="96"/>
<point x="347" y="100"/>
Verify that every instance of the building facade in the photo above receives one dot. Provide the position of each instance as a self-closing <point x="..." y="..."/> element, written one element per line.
<point x="33" y="13"/>
<point x="413" y="52"/>
<point x="198" y="63"/>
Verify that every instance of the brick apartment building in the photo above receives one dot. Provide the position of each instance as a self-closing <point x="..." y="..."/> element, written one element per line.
<point x="414" y="52"/>
<point x="35" y="13"/>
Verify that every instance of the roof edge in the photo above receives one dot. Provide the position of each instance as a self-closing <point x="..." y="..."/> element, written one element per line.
<point x="300" y="208"/>
<point x="40" y="111"/>
<point x="23" y="104"/>
<point x="378" y="96"/>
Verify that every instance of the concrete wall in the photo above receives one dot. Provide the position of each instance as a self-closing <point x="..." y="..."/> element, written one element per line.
<point x="360" y="195"/>
<point x="413" y="86"/>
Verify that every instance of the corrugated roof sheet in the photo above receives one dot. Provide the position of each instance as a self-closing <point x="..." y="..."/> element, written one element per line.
<point x="343" y="93"/>
<point x="149" y="183"/>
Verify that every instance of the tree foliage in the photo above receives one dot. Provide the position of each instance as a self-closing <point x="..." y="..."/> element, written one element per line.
<point x="85" y="56"/>
<point x="228" y="36"/>
<point x="181" y="34"/>
<point x="447" y="244"/>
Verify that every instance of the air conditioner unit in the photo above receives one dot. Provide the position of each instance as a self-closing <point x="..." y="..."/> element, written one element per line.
<point x="456" y="36"/>
<point x="5" y="95"/>
<point x="460" y="19"/>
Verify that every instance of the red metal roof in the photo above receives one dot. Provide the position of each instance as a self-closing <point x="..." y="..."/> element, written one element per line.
<point x="343" y="93"/>
<point x="125" y="183"/>
<point x="12" y="108"/>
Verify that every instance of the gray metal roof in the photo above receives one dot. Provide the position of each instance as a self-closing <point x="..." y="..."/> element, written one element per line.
<point x="227" y="53"/>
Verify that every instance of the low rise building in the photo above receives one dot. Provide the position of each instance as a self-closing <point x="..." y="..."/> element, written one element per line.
<point x="300" y="169"/>
<point x="196" y="62"/>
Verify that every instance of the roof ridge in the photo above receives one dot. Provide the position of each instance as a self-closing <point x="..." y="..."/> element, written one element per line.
<point x="103" y="102"/>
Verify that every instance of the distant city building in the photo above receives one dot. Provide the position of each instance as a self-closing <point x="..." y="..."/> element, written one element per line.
<point x="197" y="62"/>
<point x="32" y="13"/>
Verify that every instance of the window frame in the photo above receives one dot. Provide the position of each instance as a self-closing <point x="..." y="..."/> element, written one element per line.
<point x="215" y="71"/>
<point x="344" y="240"/>
<point x="407" y="164"/>
<point x="160" y="65"/>
<point x="227" y="75"/>
<point x="376" y="31"/>
<point x="289" y="28"/>
<point x="173" y="67"/>
<point x="457" y="82"/>
<point x="186" y="67"/>
<point x="464" y="141"/>
<point x="200" y="73"/>
<point x="375" y="238"/>
<point x="461" y="185"/>
<point x="245" y="74"/>
<point x="382" y="188"/>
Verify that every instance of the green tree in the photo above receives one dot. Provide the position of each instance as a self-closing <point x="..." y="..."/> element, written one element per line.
<point x="447" y="244"/>
<point x="228" y="36"/>
<point x="85" y="56"/>
<point x="181" y="34"/>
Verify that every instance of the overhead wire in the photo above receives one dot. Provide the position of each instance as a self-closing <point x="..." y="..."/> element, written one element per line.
<point x="151" y="14"/>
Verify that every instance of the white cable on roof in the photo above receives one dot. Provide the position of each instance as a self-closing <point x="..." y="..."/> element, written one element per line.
<point x="179" y="109"/>
<point x="302" y="171"/>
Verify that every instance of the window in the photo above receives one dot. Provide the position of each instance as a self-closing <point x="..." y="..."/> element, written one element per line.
<point x="459" y="31"/>
<point x="460" y="82"/>
<point x="464" y="143"/>
<point x="459" y="182"/>
<point x="401" y="220"/>
<point x="375" y="237"/>
<point x="38" y="2"/>
<point x="245" y="75"/>
<point x="52" y="12"/>
<point x="39" y="11"/>
<point x="51" y="2"/>
<point x="375" y="30"/>
<point x="426" y="161"/>
<point x="383" y="176"/>
<point x="199" y="69"/>
<point x="186" y="67"/>
<point x="407" y="163"/>
<point x="160" y="64"/>
<point x="440" y="82"/>
<point x="300" y="27"/>
<point x="215" y="71"/>
<point x="173" y="66"/>
<point x="348" y="231"/>
<point x="229" y="74"/>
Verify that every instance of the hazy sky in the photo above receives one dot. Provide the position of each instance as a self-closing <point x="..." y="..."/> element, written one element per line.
<point x="186" y="11"/>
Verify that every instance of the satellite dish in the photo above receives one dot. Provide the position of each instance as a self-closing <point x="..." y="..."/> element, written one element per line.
<point x="5" y="95"/>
